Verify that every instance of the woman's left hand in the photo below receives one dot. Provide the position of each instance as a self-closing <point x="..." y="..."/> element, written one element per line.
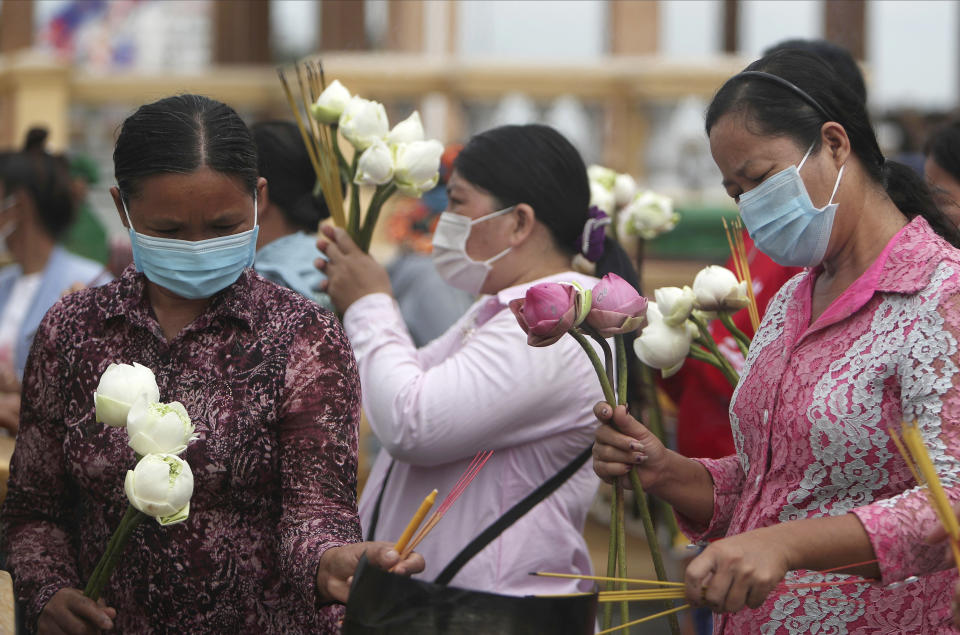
<point x="337" y="564"/>
<point x="351" y="274"/>
<point x="737" y="571"/>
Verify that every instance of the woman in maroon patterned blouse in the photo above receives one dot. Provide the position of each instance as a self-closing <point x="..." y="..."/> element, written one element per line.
<point x="270" y="383"/>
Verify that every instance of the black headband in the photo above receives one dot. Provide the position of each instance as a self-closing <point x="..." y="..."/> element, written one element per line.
<point x="789" y="86"/>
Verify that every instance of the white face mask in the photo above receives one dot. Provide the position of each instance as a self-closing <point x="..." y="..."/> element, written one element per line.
<point x="450" y="251"/>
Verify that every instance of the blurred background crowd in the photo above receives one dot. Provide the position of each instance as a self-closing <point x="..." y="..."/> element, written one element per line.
<point x="625" y="81"/>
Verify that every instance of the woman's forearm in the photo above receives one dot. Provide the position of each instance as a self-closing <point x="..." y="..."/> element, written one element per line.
<point x="827" y="543"/>
<point x="687" y="486"/>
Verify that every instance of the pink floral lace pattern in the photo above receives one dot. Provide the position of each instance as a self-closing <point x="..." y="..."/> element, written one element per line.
<point x="271" y="384"/>
<point x="811" y="419"/>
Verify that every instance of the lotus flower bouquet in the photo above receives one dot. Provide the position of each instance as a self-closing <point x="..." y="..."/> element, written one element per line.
<point x="388" y="159"/>
<point x="677" y="322"/>
<point x="636" y="213"/>
<point x="161" y="484"/>
<point x="611" y="309"/>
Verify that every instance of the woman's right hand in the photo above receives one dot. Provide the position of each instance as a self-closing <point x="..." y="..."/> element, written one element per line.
<point x="69" y="612"/>
<point x="623" y="444"/>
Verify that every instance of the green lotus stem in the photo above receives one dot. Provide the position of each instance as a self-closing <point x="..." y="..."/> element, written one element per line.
<point x="607" y="354"/>
<point x="345" y="174"/>
<point x="708" y="341"/>
<point x="97" y="574"/>
<point x="612" y="551"/>
<point x="111" y="557"/>
<point x="743" y="341"/>
<point x="621" y="370"/>
<point x="383" y="193"/>
<point x="353" y="222"/>
<point x="710" y="358"/>
<point x="654" y="419"/>
<point x="621" y="550"/>
<point x="651" y="533"/>
<point x="605" y="384"/>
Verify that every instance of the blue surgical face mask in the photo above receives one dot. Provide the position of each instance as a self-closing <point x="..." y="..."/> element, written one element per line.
<point x="194" y="269"/>
<point x="784" y="223"/>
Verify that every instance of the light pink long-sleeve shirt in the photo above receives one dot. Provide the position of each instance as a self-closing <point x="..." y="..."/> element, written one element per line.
<point x="479" y="387"/>
<point x="810" y="420"/>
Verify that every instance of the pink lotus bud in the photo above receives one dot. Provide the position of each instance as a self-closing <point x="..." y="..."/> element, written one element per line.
<point x="617" y="307"/>
<point x="547" y="312"/>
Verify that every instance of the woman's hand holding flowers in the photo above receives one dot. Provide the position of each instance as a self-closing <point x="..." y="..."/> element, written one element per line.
<point x="624" y="445"/>
<point x="351" y="274"/>
<point x="70" y="612"/>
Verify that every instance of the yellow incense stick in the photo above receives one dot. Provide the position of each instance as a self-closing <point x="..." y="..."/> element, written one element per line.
<point x="741" y="264"/>
<point x="602" y="578"/>
<point x="905" y="455"/>
<point x="645" y="619"/>
<point x="913" y="439"/>
<point x="415" y="521"/>
<point x="671" y="594"/>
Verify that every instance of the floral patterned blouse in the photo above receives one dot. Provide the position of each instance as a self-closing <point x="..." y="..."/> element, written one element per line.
<point x="271" y="385"/>
<point x="810" y="420"/>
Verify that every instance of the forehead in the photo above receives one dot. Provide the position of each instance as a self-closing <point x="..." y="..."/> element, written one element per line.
<point x="202" y="189"/>
<point x="733" y="143"/>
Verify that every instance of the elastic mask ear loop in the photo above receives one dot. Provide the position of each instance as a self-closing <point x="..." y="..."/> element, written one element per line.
<point x="806" y="156"/>
<point x="499" y="212"/>
<point x="498" y="256"/>
<point x="123" y="201"/>
<point x="836" y="186"/>
<point x="505" y="210"/>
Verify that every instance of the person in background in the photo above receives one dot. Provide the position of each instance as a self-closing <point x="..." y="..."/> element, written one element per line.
<point x="942" y="169"/>
<point x="518" y="204"/>
<point x="267" y="377"/>
<point x="429" y="305"/>
<point x="36" y="208"/>
<point x="291" y="211"/>
<point x="86" y="236"/>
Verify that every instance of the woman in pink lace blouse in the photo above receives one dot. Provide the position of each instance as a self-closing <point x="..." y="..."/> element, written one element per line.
<point x="866" y="338"/>
<point x="269" y="381"/>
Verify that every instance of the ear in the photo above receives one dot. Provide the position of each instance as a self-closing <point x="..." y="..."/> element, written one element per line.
<point x="836" y="141"/>
<point x="115" y="193"/>
<point x="523" y="226"/>
<point x="263" y="198"/>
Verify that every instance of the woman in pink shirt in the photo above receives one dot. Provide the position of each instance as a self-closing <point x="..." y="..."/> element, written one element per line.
<point x="518" y="206"/>
<point x="868" y="337"/>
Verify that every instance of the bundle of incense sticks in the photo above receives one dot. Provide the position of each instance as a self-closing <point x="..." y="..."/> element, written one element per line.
<point x="405" y="545"/>
<point x="915" y="453"/>
<point x="675" y="590"/>
<point x="318" y="139"/>
<point x="741" y="264"/>
<point x="648" y="618"/>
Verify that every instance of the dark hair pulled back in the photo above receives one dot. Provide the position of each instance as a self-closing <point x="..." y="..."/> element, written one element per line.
<point x="46" y="179"/>
<point x="536" y="165"/>
<point x="772" y="109"/>
<point x="178" y="135"/>
<point x="282" y="159"/>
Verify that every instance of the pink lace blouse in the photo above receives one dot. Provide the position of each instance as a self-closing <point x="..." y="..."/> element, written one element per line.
<point x="810" y="420"/>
